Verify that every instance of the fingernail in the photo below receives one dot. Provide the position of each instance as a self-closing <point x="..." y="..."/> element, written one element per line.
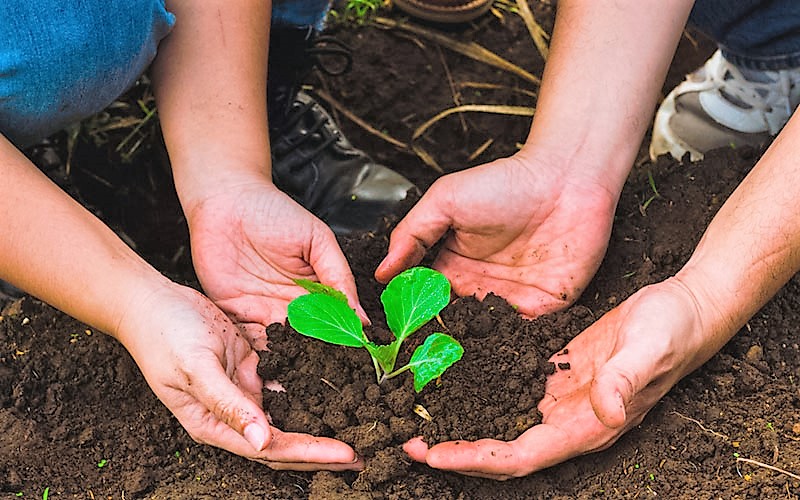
<point x="256" y="436"/>
<point x="361" y="313"/>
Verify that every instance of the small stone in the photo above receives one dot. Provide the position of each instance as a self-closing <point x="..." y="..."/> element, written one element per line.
<point x="755" y="354"/>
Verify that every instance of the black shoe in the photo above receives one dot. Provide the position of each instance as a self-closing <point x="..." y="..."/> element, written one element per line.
<point x="315" y="164"/>
<point x="311" y="160"/>
<point x="9" y="292"/>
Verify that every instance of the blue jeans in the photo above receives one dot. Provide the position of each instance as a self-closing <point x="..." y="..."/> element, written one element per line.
<point x="64" y="60"/>
<point x="755" y="34"/>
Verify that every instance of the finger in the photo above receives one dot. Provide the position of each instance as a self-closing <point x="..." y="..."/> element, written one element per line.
<point x="259" y="309"/>
<point x="297" y="451"/>
<point x="231" y="406"/>
<point x="477" y="459"/>
<point x="485" y="456"/>
<point x="418" y="451"/>
<point x="416" y="448"/>
<point x="331" y="267"/>
<point x="419" y="230"/>
<point x="632" y="368"/>
<point x="247" y="379"/>
<point x="571" y="429"/>
<point x="310" y="467"/>
<point x="256" y="335"/>
<point x="616" y="385"/>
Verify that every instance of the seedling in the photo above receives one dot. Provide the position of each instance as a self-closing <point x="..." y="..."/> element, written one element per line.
<point x="359" y="11"/>
<point x="410" y="300"/>
<point x="656" y="194"/>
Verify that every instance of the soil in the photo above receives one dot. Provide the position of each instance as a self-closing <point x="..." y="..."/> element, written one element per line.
<point x="77" y="418"/>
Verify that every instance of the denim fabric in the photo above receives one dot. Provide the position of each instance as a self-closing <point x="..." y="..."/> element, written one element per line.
<point x="755" y="34"/>
<point x="300" y="13"/>
<point x="63" y="60"/>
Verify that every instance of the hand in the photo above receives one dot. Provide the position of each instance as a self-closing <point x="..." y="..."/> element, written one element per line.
<point x="518" y="229"/>
<point x="619" y="368"/>
<point x="199" y="365"/>
<point x="250" y="241"/>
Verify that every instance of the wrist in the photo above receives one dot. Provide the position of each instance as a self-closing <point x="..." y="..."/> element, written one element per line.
<point x="605" y="166"/>
<point x="591" y="183"/>
<point x="721" y="310"/>
<point x="204" y="179"/>
<point x="707" y="327"/>
<point x="142" y="302"/>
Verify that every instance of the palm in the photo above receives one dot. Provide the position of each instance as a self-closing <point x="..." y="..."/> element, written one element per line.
<point x="205" y="373"/>
<point x="619" y="368"/>
<point x="250" y="243"/>
<point x="514" y="230"/>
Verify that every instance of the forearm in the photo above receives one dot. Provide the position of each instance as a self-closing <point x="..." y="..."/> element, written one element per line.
<point x="56" y="250"/>
<point x="752" y="247"/>
<point x="607" y="63"/>
<point x="210" y="84"/>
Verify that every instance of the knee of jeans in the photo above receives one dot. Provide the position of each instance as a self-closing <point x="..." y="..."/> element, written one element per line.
<point x="72" y="62"/>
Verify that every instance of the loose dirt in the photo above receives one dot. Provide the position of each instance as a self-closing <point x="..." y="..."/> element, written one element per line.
<point x="77" y="417"/>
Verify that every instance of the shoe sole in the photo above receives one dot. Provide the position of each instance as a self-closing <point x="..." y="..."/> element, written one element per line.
<point x="451" y="14"/>
<point x="664" y="141"/>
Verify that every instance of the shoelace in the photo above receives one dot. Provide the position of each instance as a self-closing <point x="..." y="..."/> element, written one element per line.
<point x="771" y="99"/>
<point x="323" y="48"/>
<point x="295" y="141"/>
<point x="326" y="46"/>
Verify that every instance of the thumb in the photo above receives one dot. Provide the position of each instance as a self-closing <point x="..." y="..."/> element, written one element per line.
<point x="616" y="385"/>
<point x="419" y="230"/>
<point x="230" y="405"/>
<point x="331" y="267"/>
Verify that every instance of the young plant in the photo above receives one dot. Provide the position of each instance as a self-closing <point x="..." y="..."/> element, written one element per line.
<point x="359" y="11"/>
<point x="410" y="300"/>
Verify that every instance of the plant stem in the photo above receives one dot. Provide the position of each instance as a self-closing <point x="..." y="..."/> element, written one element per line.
<point x="395" y="373"/>
<point x="377" y="370"/>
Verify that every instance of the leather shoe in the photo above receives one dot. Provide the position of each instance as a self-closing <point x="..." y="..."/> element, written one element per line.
<point x="315" y="164"/>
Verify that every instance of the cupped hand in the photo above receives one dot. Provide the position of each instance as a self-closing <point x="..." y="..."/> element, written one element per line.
<point x="516" y="227"/>
<point x="204" y="370"/>
<point x="619" y="368"/>
<point x="250" y="241"/>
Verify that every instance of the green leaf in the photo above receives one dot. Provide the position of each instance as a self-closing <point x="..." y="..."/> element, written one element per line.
<point x="386" y="355"/>
<point x="433" y="357"/>
<point x="327" y="318"/>
<point x="314" y="287"/>
<point x="413" y="298"/>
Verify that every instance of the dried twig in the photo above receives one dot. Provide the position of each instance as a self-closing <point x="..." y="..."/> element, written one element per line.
<point x="766" y="466"/>
<point x="538" y="34"/>
<point x="358" y="121"/>
<point x="426" y="158"/>
<point x="481" y="108"/>
<point x="453" y="91"/>
<point x="480" y="149"/>
<point x="495" y="86"/>
<point x="703" y="427"/>
<point x="330" y="384"/>
<point x="469" y="49"/>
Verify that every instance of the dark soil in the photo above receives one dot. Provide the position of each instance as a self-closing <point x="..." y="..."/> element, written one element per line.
<point x="78" y="418"/>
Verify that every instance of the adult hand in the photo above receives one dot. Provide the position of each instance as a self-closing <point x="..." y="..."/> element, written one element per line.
<point x="201" y="367"/>
<point x="619" y="368"/>
<point x="250" y="241"/>
<point x="518" y="227"/>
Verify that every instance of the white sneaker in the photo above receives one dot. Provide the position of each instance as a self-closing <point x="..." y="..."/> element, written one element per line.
<point x="721" y="105"/>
